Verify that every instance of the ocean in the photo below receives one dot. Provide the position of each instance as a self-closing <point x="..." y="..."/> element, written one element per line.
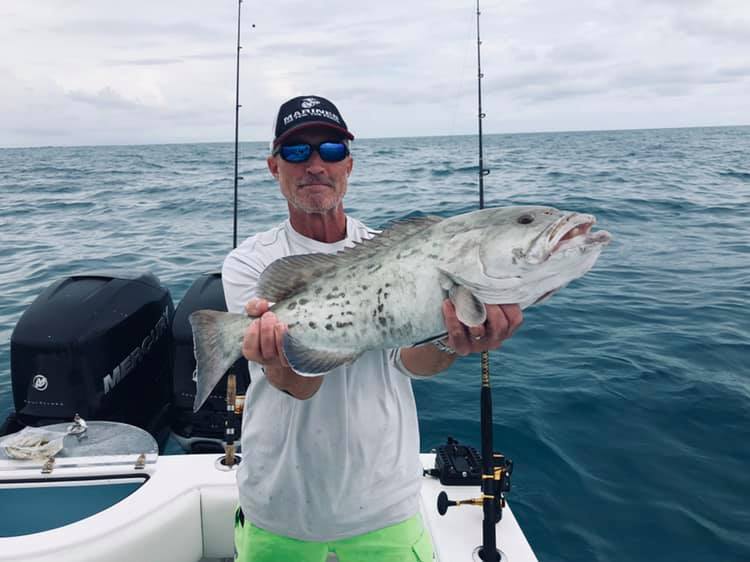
<point x="624" y="401"/>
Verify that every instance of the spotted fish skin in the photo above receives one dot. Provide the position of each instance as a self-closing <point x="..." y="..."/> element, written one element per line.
<point x="378" y="302"/>
<point x="388" y="292"/>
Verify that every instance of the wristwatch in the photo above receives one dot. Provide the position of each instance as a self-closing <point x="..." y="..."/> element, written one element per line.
<point x="444" y="347"/>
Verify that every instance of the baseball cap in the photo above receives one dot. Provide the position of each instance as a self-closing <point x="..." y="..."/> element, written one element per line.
<point x="303" y="112"/>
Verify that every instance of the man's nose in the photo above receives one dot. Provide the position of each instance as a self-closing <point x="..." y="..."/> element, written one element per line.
<point x="315" y="164"/>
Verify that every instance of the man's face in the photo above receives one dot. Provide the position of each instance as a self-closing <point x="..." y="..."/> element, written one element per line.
<point x="313" y="186"/>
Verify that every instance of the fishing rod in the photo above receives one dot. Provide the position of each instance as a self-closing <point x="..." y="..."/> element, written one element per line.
<point x="491" y="510"/>
<point x="480" y="114"/>
<point x="237" y="122"/>
<point x="495" y="469"/>
<point x="234" y="403"/>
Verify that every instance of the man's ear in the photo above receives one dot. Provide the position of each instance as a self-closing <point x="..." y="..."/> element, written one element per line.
<point x="273" y="166"/>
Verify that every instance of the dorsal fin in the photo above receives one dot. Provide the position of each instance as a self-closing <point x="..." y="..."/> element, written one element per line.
<point x="287" y="276"/>
<point x="395" y="232"/>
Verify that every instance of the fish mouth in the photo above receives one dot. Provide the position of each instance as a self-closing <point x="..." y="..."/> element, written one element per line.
<point x="580" y="230"/>
<point x="571" y="234"/>
<point x="574" y="231"/>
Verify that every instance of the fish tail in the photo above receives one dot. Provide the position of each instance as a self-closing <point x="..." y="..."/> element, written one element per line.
<point x="217" y="344"/>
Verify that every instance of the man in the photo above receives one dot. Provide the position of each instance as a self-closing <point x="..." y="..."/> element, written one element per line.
<point x="331" y="463"/>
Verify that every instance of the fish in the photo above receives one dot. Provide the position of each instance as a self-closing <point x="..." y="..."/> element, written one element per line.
<point x="387" y="292"/>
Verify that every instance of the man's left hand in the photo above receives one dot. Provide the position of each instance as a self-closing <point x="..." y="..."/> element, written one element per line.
<point x="502" y="320"/>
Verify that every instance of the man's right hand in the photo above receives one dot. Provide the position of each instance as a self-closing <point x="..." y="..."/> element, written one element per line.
<point x="264" y="338"/>
<point x="263" y="343"/>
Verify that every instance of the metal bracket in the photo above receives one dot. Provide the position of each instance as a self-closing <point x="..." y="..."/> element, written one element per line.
<point x="78" y="426"/>
<point x="48" y="465"/>
<point x="140" y="462"/>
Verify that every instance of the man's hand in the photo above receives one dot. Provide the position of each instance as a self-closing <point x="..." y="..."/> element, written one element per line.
<point x="264" y="344"/>
<point x="502" y="321"/>
<point x="427" y="360"/>
<point x="264" y="338"/>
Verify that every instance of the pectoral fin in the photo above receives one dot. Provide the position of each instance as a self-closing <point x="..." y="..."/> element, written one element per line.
<point x="499" y="290"/>
<point x="469" y="309"/>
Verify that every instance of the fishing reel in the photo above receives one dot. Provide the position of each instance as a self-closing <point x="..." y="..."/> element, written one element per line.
<point x="457" y="464"/>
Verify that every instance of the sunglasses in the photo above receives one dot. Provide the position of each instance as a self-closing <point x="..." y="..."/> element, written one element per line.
<point x="301" y="152"/>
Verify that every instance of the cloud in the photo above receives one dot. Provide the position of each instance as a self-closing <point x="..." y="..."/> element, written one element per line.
<point x="139" y="28"/>
<point x="719" y="29"/>
<point x="106" y="98"/>
<point x="215" y="56"/>
<point x="734" y="72"/>
<point x="143" y="62"/>
<point x="669" y="79"/>
<point x="34" y="132"/>
<point x="577" y="53"/>
<point x="147" y="72"/>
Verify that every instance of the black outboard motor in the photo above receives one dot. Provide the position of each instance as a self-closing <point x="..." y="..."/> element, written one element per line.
<point x="202" y="432"/>
<point x="98" y="346"/>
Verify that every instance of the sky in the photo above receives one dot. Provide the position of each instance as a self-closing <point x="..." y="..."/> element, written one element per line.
<point x="88" y="72"/>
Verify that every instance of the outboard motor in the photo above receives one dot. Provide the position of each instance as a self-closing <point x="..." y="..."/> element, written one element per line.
<point x="202" y="432"/>
<point x="98" y="346"/>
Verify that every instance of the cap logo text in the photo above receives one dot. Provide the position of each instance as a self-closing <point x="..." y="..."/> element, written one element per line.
<point x="303" y="113"/>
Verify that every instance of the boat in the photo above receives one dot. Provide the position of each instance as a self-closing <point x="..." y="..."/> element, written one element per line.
<point x="183" y="511"/>
<point x="109" y="494"/>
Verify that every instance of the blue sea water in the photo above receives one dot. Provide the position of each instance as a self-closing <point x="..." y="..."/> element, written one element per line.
<point x="624" y="401"/>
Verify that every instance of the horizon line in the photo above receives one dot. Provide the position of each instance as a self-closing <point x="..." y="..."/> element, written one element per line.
<point x="563" y="131"/>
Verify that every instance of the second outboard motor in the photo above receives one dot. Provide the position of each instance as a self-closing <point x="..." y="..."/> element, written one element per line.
<point x="98" y="346"/>
<point x="202" y="432"/>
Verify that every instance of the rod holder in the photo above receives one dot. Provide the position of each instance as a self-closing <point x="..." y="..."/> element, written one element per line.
<point x="478" y="555"/>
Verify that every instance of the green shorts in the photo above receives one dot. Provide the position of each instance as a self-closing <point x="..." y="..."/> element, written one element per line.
<point x="408" y="541"/>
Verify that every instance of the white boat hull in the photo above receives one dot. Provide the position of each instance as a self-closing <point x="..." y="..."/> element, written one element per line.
<point x="184" y="512"/>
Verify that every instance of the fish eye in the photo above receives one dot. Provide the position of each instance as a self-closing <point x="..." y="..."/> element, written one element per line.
<point x="526" y="218"/>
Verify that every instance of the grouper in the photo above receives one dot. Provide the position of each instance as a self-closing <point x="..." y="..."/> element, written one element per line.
<point x="387" y="292"/>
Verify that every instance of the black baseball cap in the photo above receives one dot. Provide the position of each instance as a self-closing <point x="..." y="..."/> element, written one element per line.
<point x="304" y="112"/>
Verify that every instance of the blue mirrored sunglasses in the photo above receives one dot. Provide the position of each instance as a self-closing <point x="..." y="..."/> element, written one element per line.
<point x="301" y="152"/>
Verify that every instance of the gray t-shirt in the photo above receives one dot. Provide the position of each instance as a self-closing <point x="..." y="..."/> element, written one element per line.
<point x="342" y="463"/>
